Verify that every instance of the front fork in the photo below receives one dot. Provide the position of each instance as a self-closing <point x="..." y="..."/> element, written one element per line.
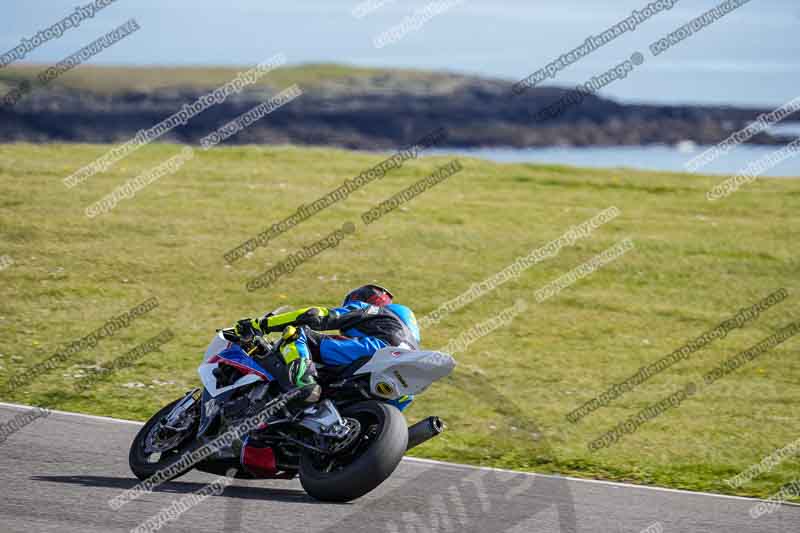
<point x="170" y="430"/>
<point x="173" y="419"/>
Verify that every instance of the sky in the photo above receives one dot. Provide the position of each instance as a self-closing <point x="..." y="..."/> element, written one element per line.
<point x="750" y="57"/>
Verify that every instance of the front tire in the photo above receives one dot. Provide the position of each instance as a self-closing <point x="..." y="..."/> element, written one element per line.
<point x="384" y="432"/>
<point x="142" y="465"/>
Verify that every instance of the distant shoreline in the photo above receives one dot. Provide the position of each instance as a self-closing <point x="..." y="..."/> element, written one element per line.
<point x="656" y="158"/>
<point x="365" y="109"/>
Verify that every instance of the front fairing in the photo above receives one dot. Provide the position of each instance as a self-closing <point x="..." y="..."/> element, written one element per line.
<point x="222" y="351"/>
<point x="218" y="345"/>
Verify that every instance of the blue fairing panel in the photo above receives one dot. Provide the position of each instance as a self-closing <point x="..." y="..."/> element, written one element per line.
<point x="239" y="358"/>
<point x="402" y="403"/>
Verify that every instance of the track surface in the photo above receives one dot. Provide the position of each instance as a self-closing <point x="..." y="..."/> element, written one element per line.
<point x="58" y="473"/>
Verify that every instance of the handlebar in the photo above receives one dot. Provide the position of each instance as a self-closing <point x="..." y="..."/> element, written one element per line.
<point x="229" y="334"/>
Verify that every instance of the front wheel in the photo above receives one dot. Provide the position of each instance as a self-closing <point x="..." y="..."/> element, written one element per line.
<point x="378" y="449"/>
<point x="156" y="448"/>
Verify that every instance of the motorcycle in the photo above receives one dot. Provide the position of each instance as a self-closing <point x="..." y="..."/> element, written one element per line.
<point x="341" y="447"/>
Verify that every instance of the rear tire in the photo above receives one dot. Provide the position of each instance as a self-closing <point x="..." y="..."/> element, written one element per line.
<point x="141" y="467"/>
<point x="368" y="470"/>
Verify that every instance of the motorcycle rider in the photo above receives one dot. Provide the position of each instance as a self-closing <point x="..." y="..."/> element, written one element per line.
<point x="368" y="320"/>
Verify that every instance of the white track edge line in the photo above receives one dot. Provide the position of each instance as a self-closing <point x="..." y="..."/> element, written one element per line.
<point x="69" y="413"/>
<point x="456" y="465"/>
<point x="595" y="481"/>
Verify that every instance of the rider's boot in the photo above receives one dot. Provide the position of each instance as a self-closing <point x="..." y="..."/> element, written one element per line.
<point x="294" y="369"/>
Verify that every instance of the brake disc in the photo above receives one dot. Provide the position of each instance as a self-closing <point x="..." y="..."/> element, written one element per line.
<point x="354" y="431"/>
<point x="156" y="442"/>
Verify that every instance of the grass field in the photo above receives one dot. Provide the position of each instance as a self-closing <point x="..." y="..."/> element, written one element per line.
<point x="695" y="264"/>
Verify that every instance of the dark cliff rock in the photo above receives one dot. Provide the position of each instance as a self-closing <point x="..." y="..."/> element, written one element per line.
<point x="381" y="113"/>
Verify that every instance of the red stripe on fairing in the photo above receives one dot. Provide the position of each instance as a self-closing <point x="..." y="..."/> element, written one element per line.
<point x="218" y="357"/>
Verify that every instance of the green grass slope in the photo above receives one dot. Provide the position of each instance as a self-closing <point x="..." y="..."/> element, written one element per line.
<point x="695" y="263"/>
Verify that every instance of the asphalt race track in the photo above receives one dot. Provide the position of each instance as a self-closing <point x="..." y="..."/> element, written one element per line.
<point x="58" y="473"/>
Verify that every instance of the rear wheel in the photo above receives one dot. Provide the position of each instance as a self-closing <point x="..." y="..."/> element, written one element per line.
<point x="157" y="448"/>
<point x="367" y="462"/>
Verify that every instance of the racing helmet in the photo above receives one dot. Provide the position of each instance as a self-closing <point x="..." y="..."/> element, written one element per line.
<point x="371" y="294"/>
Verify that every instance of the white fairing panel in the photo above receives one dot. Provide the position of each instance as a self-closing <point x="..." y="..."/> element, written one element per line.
<point x="398" y="372"/>
<point x="206" y="370"/>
